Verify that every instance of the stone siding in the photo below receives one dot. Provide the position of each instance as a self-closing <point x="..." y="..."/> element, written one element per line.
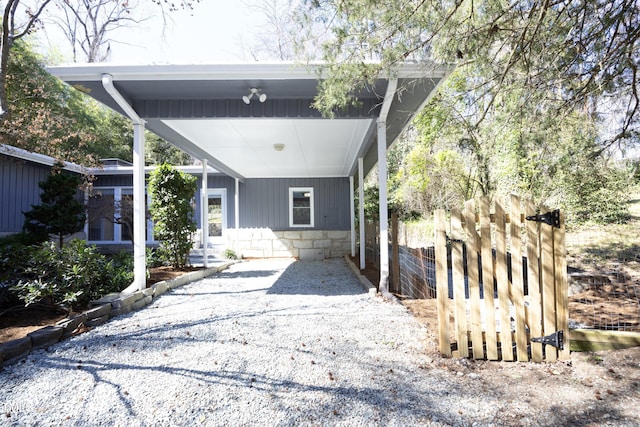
<point x="265" y="243"/>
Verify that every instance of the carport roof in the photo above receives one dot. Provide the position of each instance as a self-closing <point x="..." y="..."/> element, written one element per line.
<point x="199" y="109"/>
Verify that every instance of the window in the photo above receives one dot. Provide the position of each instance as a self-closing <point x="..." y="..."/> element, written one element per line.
<point x="100" y="215"/>
<point x="110" y="215"/>
<point x="300" y="207"/>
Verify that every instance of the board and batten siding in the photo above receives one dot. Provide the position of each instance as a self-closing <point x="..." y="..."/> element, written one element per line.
<point x="19" y="190"/>
<point x="264" y="203"/>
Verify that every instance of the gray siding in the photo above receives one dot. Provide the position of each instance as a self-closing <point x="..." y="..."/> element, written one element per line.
<point x="113" y="181"/>
<point x="18" y="191"/>
<point x="264" y="203"/>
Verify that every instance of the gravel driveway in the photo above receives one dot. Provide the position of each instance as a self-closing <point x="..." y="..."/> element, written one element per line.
<point x="267" y="343"/>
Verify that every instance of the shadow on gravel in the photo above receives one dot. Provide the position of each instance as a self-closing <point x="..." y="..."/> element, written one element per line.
<point x="384" y="402"/>
<point x="248" y="274"/>
<point x="331" y="277"/>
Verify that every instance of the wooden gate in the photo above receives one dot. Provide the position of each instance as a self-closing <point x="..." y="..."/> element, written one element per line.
<point x="520" y="312"/>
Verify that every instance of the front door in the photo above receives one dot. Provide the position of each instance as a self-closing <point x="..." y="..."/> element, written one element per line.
<point x="216" y="214"/>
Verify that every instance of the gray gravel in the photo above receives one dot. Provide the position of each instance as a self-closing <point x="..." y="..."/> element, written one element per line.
<point x="266" y="342"/>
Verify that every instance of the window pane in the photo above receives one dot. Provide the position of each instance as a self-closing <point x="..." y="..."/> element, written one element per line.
<point x="301" y="207"/>
<point x="126" y="214"/>
<point x="101" y="215"/>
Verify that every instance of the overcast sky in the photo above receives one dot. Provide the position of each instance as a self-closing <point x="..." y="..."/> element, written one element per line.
<point x="215" y="31"/>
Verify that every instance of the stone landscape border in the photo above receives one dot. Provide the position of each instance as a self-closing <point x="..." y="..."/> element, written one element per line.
<point x="105" y="308"/>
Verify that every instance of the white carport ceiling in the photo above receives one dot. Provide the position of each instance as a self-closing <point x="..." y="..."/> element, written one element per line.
<point x="312" y="147"/>
<point x="199" y="109"/>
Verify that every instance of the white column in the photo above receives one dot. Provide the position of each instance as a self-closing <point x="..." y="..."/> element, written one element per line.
<point x="353" y="216"/>
<point x="139" y="213"/>
<point x="383" y="203"/>
<point x="363" y="243"/>
<point x="204" y="220"/>
<point x="236" y="200"/>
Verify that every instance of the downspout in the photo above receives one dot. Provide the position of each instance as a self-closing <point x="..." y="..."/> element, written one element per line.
<point x="236" y="218"/>
<point x="139" y="214"/>
<point x="382" y="183"/>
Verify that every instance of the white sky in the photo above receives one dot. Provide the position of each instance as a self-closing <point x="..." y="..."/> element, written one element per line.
<point x="215" y="31"/>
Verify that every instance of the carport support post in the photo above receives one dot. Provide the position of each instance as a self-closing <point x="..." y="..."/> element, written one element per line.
<point x="384" y="211"/>
<point x="204" y="217"/>
<point x="353" y="217"/>
<point x="363" y="243"/>
<point x="139" y="208"/>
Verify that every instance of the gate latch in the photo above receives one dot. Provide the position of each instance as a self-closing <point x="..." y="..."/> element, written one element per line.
<point x="551" y="218"/>
<point x="556" y="339"/>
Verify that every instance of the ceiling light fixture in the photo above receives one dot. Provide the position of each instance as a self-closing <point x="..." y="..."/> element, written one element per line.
<point x="278" y="147"/>
<point x="258" y="94"/>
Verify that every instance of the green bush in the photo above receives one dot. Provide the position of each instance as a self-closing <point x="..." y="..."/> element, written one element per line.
<point x="69" y="277"/>
<point x="172" y="213"/>
<point x="229" y="254"/>
<point x="154" y="257"/>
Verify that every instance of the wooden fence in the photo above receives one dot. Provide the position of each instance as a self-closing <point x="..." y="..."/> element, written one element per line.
<point x="492" y="318"/>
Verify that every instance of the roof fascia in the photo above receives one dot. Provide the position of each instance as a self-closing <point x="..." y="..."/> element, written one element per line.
<point x="242" y="71"/>
<point x="42" y="159"/>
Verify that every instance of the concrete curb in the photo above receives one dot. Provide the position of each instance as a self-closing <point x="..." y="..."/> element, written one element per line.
<point x="366" y="283"/>
<point x="105" y="308"/>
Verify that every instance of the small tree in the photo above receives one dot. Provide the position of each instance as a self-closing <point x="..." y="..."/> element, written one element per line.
<point x="171" y="193"/>
<point x="60" y="213"/>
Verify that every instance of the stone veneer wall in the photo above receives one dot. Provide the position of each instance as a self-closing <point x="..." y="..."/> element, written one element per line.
<point x="265" y="243"/>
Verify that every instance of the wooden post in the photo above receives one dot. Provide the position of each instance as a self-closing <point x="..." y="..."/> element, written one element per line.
<point x="548" y="289"/>
<point x="562" y="287"/>
<point x="395" y="254"/>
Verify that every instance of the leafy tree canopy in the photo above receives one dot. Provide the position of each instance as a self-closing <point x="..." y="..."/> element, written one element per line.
<point x="49" y="117"/>
<point x="562" y="55"/>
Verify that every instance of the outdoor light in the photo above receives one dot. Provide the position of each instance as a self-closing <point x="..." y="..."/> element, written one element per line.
<point x="257" y="92"/>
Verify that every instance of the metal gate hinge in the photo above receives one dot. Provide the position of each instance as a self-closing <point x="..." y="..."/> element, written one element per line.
<point x="556" y="339"/>
<point x="551" y="218"/>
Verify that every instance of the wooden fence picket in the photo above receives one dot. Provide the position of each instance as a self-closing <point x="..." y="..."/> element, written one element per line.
<point x="473" y="278"/>
<point x="533" y="269"/>
<point x="457" y="263"/>
<point x="517" y="283"/>
<point x="487" y="279"/>
<point x="502" y="279"/>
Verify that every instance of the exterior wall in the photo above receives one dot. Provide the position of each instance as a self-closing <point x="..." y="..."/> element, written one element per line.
<point x="264" y="210"/>
<point x="303" y="244"/>
<point x="18" y="191"/>
<point x="264" y="203"/>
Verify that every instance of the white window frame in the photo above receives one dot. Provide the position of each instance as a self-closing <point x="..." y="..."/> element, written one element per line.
<point x="309" y="190"/>
<point x="117" y="228"/>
